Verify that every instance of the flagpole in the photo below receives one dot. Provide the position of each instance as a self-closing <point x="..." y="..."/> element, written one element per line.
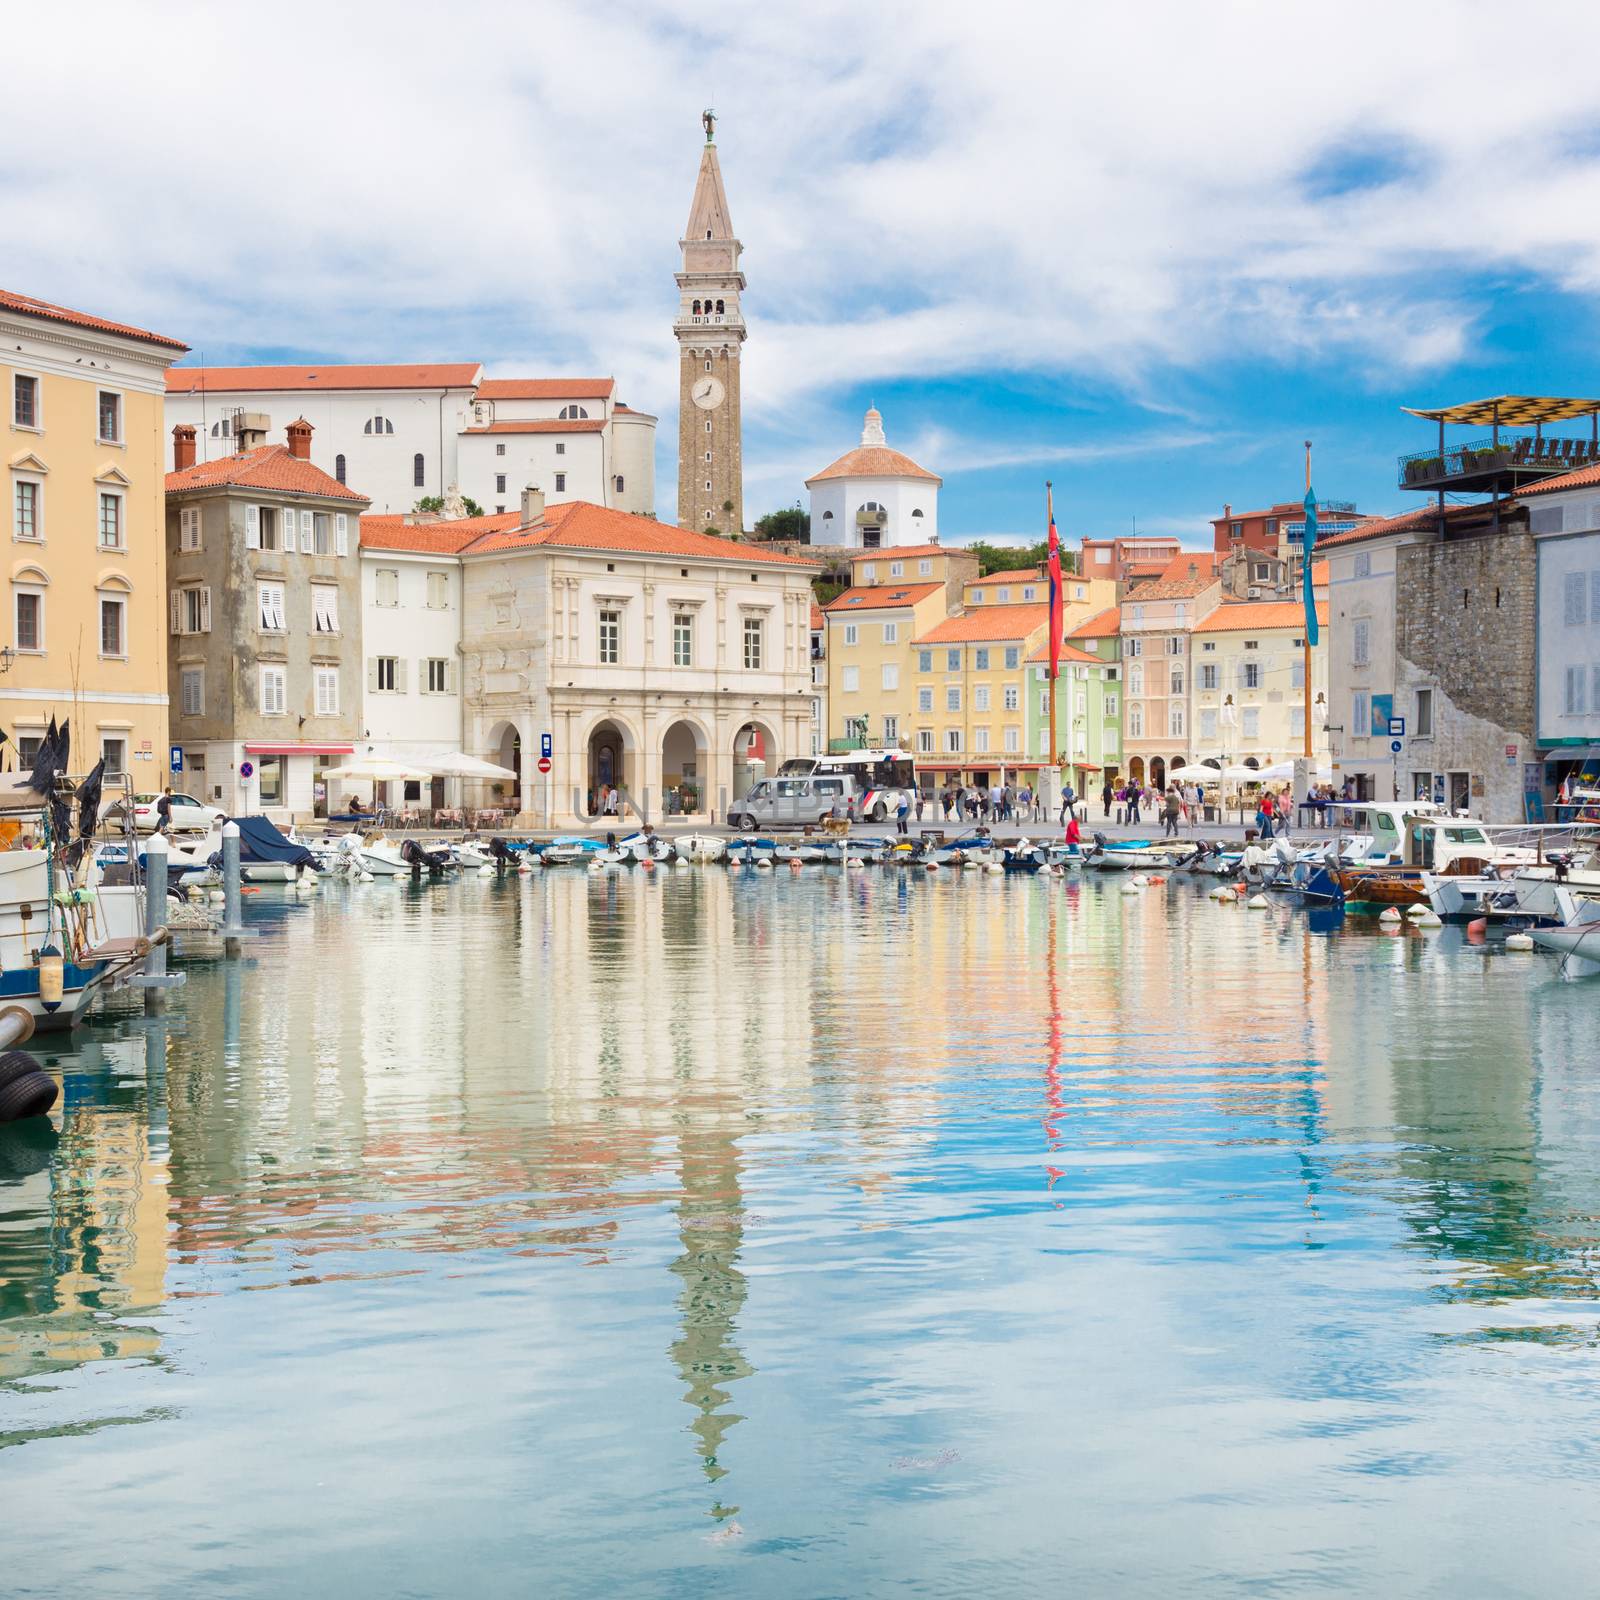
<point x="1050" y="656"/>
<point x="1306" y="639"/>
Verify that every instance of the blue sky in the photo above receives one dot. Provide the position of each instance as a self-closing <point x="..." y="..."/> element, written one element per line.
<point x="1142" y="254"/>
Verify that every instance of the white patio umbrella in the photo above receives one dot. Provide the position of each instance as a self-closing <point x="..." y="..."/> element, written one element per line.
<point x="370" y="769"/>
<point x="1243" y="774"/>
<point x="458" y="764"/>
<point x="1197" y="774"/>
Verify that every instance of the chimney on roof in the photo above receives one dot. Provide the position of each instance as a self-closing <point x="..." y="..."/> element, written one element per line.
<point x="299" y="435"/>
<point x="249" y="430"/>
<point x="1227" y="510"/>
<point x="532" y="505"/>
<point x="182" y="446"/>
<point x="1194" y="571"/>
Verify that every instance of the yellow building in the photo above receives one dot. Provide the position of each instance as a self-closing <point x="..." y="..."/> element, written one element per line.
<point x="894" y="595"/>
<point x="1081" y="597"/>
<point x="971" y="675"/>
<point x="86" y="632"/>
<point x="1248" y="665"/>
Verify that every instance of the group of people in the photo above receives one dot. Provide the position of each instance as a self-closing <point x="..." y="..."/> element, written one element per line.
<point x="1008" y="803"/>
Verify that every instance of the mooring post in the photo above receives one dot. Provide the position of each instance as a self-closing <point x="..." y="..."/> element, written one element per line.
<point x="155" y="916"/>
<point x="232" y="927"/>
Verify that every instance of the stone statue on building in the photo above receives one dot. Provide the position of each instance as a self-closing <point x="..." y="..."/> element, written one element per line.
<point x="709" y="118"/>
<point x="454" y="504"/>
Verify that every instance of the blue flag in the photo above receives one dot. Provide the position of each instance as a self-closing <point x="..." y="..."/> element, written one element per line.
<point x="1310" y="545"/>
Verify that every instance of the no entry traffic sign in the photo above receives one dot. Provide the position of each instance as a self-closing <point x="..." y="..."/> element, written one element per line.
<point x="544" y="763"/>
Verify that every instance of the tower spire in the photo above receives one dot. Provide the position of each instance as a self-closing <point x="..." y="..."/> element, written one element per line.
<point x="708" y="211"/>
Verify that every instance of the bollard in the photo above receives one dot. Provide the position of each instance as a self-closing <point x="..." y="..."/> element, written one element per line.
<point x="155" y="916"/>
<point x="232" y="928"/>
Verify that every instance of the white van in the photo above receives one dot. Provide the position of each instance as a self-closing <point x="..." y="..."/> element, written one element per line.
<point x="789" y="800"/>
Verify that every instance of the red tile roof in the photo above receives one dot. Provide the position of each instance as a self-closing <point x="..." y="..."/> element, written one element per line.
<point x="1171" y="589"/>
<point x="432" y="538"/>
<point x="1232" y="616"/>
<point x="1205" y="562"/>
<point x="546" y="388"/>
<point x="1319" y="573"/>
<point x="235" y="380"/>
<point x="1022" y="575"/>
<point x="1582" y="478"/>
<point x="874" y="461"/>
<point x="818" y="621"/>
<point x="882" y="597"/>
<point x="1105" y="624"/>
<point x="1069" y="652"/>
<point x="899" y="551"/>
<point x="1380" y="526"/>
<point x="988" y="622"/>
<point x="544" y="425"/>
<point x="271" y="467"/>
<point x="28" y="306"/>
<point x="578" y="525"/>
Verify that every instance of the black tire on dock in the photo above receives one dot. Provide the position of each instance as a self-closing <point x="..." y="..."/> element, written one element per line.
<point x="16" y="1064"/>
<point x="28" y="1096"/>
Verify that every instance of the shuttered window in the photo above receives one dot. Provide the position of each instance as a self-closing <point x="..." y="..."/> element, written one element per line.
<point x="325" y="607"/>
<point x="274" y="698"/>
<point x="270" y="605"/>
<point x="1575" y="595"/>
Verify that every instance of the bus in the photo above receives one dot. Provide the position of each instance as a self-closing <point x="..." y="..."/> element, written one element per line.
<point x="877" y="779"/>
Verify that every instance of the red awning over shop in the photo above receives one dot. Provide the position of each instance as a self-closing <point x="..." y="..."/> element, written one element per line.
<point x="299" y="749"/>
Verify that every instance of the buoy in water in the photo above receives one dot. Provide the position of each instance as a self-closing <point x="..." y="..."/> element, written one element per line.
<point x="1258" y="902"/>
<point x="1416" y="912"/>
<point x="763" y="864"/>
<point x="1138" y="880"/>
<point x="1477" y="929"/>
<point x="1130" y="887"/>
<point x="1389" y="914"/>
<point x="1428" y="919"/>
<point x="1519" y="941"/>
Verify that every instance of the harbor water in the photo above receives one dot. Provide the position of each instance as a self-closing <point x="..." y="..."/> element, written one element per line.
<point x="736" y="1233"/>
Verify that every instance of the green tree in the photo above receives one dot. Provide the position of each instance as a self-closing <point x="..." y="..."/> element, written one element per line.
<point x="790" y="523"/>
<point x="1017" y="557"/>
<point x="435" y="502"/>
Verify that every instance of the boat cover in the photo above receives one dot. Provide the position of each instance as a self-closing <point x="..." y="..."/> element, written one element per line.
<point x="260" y="842"/>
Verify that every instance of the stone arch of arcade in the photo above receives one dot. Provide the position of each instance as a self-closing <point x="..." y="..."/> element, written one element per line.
<point x="685" y="767"/>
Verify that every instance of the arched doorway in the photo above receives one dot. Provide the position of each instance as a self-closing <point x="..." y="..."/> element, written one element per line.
<point x="755" y="756"/>
<point x="505" y="745"/>
<point x="1136" y="770"/>
<point x="683" y="770"/>
<point x="1158" y="772"/>
<point x="610" y="750"/>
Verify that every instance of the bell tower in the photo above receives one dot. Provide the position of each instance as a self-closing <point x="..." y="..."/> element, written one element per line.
<point x="710" y="330"/>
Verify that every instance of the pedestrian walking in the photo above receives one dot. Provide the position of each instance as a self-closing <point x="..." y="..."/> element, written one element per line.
<point x="902" y="814"/>
<point x="1107" y="795"/>
<point x="1171" y="808"/>
<point x="921" y="801"/>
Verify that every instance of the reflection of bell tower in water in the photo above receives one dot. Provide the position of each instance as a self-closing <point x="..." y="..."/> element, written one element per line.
<point x="710" y="330"/>
<point x="710" y="1227"/>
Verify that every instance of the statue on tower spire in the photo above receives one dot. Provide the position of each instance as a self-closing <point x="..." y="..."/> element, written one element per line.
<point x="709" y="118"/>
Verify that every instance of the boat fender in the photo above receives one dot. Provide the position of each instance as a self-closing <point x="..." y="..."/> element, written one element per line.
<point x="1389" y="914"/>
<point x="932" y="866"/>
<point x="1476" y="929"/>
<point x="1428" y="919"/>
<point x="31" y="1094"/>
<point x="648" y="864"/>
<point x="1130" y="886"/>
<point x="1519" y="941"/>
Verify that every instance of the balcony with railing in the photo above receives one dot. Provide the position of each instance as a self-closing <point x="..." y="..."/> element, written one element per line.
<point x="1514" y="449"/>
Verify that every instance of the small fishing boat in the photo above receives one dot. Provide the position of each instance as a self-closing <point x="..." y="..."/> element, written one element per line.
<point x="751" y="850"/>
<point x="570" y="851"/>
<point x="1140" y="855"/>
<point x="701" y="848"/>
<point x="1023" y="856"/>
<point x="808" y="852"/>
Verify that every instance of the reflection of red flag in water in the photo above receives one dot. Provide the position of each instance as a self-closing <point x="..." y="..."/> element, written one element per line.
<point x="1052" y="1070"/>
<point x="1055" y="588"/>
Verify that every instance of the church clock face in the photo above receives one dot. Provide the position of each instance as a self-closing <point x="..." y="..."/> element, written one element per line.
<point x="707" y="393"/>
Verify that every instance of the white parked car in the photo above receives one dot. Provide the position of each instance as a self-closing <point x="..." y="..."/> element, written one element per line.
<point x="188" y="814"/>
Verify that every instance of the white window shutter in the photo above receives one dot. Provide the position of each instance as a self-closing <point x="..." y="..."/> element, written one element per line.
<point x="177" y="610"/>
<point x="205" y="609"/>
<point x="450" y="677"/>
<point x="252" y="527"/>
<point x="399" y="674"/>
<point x="422" y="676"/>
<point x="372" y="674"/>
<point x="341" y="534"/>
<point x="306" y="528"/>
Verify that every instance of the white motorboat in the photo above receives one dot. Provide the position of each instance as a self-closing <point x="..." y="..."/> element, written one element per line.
<point x="472" y="855"/>
<point x="701" y="848"/>
<point x="1140" y="855"/>
<point x="1577" y="940"/>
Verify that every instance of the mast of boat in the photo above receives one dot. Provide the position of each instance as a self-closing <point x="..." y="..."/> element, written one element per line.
<point x="1305" y="640"/>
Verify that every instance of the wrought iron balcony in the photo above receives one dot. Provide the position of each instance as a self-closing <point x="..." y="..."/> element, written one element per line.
<point x="1481" y="465"/>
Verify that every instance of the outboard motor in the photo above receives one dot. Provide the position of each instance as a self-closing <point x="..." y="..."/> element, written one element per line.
<point x="1563" y="866"/>
<point x="500" y="851"/>
<point x="414" y="856"/>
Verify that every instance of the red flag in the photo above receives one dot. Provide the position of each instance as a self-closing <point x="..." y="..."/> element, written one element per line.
<point x="1055" y="587"/>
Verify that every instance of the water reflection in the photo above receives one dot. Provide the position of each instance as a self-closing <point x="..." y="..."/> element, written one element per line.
<point x="993" y="1117"/>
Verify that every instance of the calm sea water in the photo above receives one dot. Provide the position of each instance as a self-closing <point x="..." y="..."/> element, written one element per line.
<point x="740" y="1234"/>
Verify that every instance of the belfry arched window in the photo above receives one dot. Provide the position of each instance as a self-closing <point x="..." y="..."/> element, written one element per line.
<point x="378" y="425"/>
<point x="696" y="308"/>
<point x="338" y="468"/>
<point x="719" y="308"/>
<point x="418" y="472"/>
<point x="572" y="413"/>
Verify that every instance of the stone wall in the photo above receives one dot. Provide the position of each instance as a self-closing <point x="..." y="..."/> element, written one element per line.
<point x="1464" y="627"/>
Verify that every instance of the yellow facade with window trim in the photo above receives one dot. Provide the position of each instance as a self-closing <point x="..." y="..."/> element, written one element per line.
<point x="81" y="415"/>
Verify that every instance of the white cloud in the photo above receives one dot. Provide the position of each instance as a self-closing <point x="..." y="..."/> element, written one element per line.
<point x="924" y="192"/>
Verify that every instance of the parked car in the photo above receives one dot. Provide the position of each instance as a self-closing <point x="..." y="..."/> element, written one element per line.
<point x="792" y="800"/>
<point x="188" y="814"/>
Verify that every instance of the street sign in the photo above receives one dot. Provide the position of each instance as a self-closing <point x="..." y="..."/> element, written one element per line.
<point x="246" y="768"/>
<point x="1396" y="746"/>
<point x="544" y="747"/>
<point x="544" y="763"/>
<point x="175" y="758"/>
<point x="1397" y="727"/>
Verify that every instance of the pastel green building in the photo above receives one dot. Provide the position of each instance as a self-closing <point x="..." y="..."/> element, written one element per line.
<point x="1088" y="734"/>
